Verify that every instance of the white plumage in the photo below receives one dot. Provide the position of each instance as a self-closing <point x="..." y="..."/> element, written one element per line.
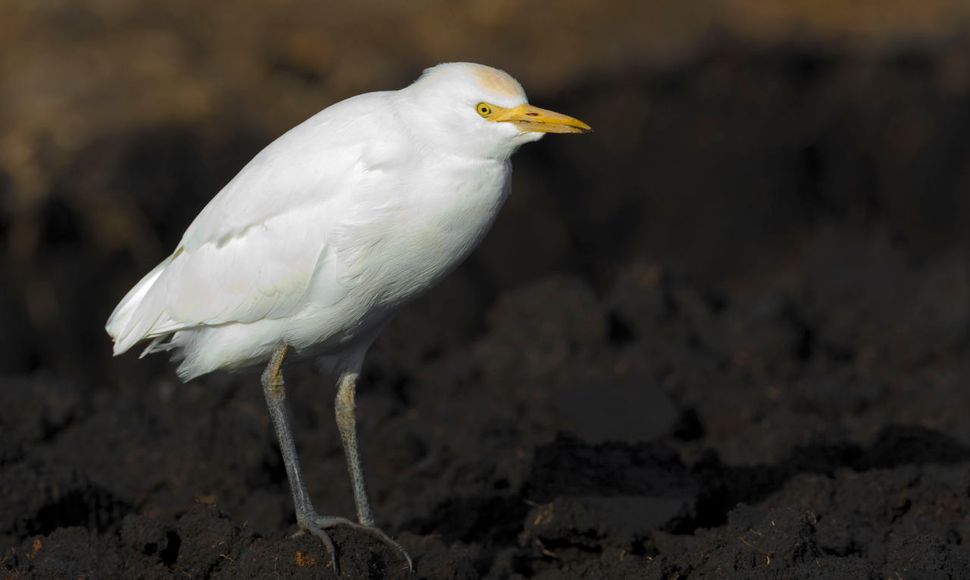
<point x="329" y="229"/>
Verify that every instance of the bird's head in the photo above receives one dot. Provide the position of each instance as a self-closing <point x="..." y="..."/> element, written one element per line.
<point x="476" y="110"/>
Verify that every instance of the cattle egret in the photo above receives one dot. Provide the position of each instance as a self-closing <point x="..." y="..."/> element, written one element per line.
<point x="315" y="244"/>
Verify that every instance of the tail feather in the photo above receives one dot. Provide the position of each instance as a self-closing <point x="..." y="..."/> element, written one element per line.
<point x="158" y="344"/>
<point x="128" y="325"/>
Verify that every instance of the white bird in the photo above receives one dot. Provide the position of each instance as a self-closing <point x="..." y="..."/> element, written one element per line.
<point x="331" y="228"/>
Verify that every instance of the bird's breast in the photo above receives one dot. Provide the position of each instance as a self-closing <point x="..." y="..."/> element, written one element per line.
<point x="423" y="232"/>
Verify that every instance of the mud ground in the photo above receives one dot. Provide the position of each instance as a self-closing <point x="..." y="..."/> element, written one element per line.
<point x="726" y="336"/>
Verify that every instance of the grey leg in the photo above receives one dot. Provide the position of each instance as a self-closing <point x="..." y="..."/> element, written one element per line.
<point x="306" y="516"/>
<point x="344" y="406"/>
<point x="275" y="394"/>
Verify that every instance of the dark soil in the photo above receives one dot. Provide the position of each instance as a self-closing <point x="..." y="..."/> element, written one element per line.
<point x="724" y="337"/>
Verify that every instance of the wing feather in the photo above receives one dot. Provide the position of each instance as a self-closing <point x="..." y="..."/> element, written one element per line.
<point x="252" y="252"/>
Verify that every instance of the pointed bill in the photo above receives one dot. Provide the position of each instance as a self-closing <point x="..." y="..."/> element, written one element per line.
<point x="529" y="118"/>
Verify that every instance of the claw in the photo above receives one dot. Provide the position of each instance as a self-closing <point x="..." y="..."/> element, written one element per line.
<point x="317" y="524"/>
<point x="327" y="544"/>
<point x="382" y="536"/>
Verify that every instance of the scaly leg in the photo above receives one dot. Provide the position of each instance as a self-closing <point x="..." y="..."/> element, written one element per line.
<point x="345" y="406"/>
<point x="306" y="516"/>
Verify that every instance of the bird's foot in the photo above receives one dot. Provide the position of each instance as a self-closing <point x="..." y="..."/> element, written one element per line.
<point x="317" y="525"/>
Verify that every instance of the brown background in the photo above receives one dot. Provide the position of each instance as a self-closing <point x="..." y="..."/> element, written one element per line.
<point x="748" y="287"/>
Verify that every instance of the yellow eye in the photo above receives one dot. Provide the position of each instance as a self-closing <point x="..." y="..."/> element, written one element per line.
<point x="484" y="109"/>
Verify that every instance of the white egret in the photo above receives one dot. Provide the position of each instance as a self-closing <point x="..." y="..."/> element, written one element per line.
<point x="312" y="247"/>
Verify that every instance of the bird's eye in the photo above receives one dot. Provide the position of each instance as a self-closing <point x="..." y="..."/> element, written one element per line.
<point x="484" y="109"/>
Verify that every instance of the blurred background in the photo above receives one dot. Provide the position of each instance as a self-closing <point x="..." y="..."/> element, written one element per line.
<point x="727" y="131"/>
<point x="758" y="261"/>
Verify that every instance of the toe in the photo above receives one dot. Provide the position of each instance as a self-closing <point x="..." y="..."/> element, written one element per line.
<point x="324" y="538"/>
<point x="316" y="524"/>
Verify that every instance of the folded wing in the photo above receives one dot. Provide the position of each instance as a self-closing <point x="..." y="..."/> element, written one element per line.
<point x="253" y="252"/>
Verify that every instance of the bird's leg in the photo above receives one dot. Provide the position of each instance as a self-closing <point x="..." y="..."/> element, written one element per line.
<point x="345" y="407"/>
<point x="275" y="394"/>
<point x="306" y="516"/>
